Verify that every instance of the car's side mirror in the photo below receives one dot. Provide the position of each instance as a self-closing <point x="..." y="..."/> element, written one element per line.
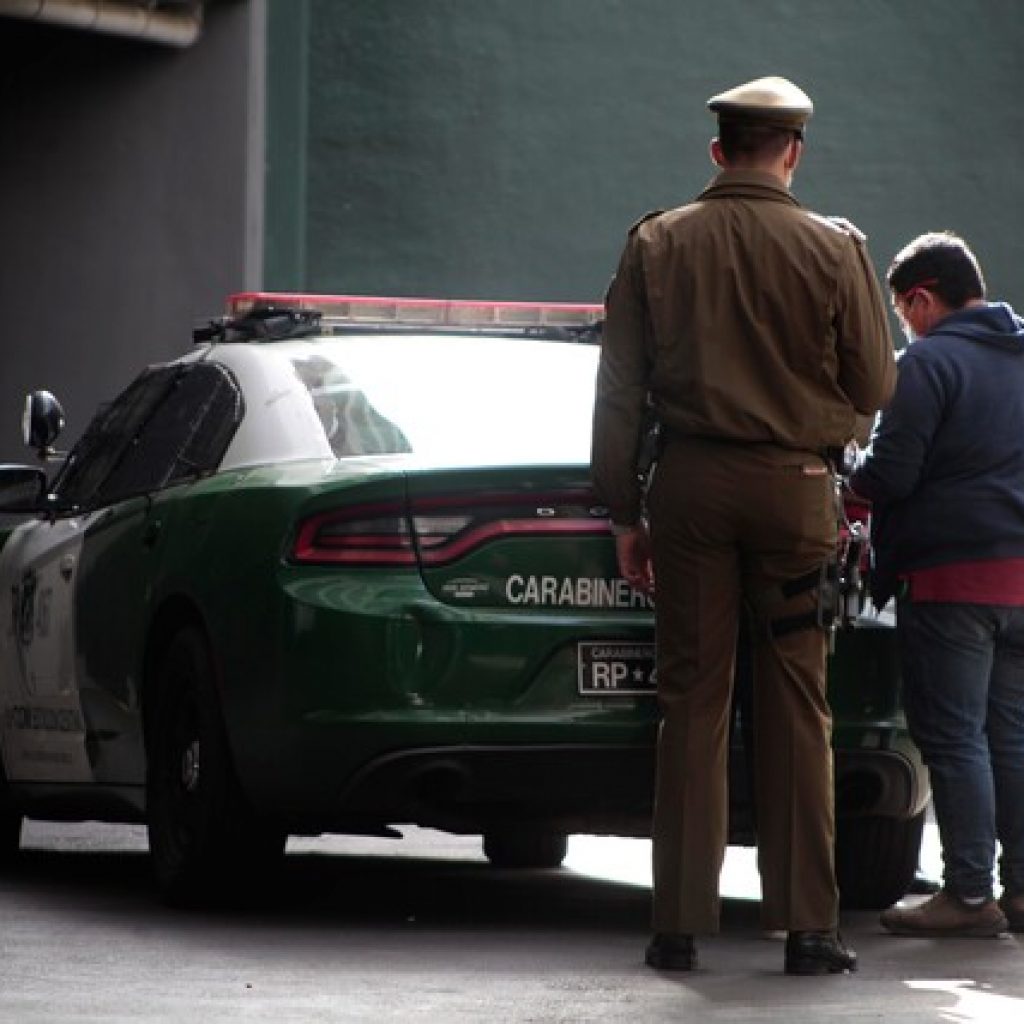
<point x="41" y="422"/>
<point x="22" y="488"/>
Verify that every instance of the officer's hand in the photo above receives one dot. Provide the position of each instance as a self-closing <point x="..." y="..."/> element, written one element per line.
<point x="634" y="551"/>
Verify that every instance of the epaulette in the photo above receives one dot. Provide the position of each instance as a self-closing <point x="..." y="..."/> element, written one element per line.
<point x="847" y="227"/>
<point x="645" y="217"/>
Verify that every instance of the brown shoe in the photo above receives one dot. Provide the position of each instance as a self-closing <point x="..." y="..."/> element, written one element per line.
<point x="946" y="914"/>
<point x="1012" y="905"/>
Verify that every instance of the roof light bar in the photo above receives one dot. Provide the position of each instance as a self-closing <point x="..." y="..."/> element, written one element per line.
<point x="365" y="309"/>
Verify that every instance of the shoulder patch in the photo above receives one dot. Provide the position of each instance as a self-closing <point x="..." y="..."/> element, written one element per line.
<point x="645" y="217"/>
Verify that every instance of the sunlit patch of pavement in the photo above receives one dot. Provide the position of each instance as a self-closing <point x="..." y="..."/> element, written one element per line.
<point x="629" y="861"/>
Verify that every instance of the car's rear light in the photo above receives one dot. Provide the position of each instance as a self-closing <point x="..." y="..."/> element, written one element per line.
<point x="433" y="532"/>
<point x="439" y="550"/>
<point x="441" y="530"/>
<point x="450" y="528"/>
<point x="374" y="535"/>
<point x="857" y="510"/>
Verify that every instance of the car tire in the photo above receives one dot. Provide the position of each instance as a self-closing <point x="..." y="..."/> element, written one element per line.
<point x="876" y="859"/>
<point x="10" y="838"/>
<point x="206" y="845"/>
<point x="525" y="849"/>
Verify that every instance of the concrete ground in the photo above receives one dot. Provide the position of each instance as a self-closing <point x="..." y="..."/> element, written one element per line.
<point x="423" y="930"/>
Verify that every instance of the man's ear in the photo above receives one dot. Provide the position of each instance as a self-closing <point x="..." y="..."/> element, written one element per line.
<point x="930" y="309"/>
<point x="715" y="149"/>
<point x="793" y="154"/>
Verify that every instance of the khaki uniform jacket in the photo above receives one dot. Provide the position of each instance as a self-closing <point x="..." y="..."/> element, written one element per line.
<point x="743" y="317"/>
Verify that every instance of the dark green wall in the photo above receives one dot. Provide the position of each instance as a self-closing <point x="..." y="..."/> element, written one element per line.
<point x="501" y="148"/>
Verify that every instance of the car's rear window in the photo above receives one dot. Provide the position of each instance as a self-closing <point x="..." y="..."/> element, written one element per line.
<point x="457" y="401"/>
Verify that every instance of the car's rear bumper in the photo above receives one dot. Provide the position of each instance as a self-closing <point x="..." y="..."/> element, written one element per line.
<point x="564" y="788"/>
<point x="601" y="788"/>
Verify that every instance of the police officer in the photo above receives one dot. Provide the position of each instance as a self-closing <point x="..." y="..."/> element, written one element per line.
<point x="754" y="332"/>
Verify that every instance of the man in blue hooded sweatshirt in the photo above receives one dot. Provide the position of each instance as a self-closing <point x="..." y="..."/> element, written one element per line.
<point x="945" y="474"/>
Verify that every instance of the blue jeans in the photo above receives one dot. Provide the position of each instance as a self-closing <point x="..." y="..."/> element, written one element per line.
<point x="963" y="677"/>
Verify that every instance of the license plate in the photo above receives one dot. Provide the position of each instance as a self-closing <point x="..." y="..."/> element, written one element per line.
<point x="615" y="669"/>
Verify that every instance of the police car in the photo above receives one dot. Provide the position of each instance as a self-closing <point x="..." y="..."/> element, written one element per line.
<point x="339" y="568"/>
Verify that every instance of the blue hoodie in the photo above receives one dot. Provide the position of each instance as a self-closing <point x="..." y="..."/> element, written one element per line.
<point x="945" y="468"/>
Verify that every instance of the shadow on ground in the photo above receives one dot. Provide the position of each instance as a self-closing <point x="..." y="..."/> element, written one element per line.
<point x="368" y="890"/>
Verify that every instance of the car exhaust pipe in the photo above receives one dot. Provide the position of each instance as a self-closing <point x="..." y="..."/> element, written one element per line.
<point x="439" y="784"/>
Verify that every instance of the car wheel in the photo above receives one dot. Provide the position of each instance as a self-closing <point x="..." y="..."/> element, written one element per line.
<point x="205" y="844"/>
<point x="10" y="826"/>
<point x="506" y="849"/>
<point x="876" y="859"/>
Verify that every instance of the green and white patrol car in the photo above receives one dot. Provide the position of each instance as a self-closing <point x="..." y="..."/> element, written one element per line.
<point x="339" y="568"/>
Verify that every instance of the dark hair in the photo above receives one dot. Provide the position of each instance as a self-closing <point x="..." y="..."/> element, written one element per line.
<point x="941" y="262"/>
<point x="746" y="140"/>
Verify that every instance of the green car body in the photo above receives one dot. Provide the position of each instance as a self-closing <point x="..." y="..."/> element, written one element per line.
<point x="272" y="637"/>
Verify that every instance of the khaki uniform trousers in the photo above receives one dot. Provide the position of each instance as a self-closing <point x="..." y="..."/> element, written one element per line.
<point x="729" y="522"/>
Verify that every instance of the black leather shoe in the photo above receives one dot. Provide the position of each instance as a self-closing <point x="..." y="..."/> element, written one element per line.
<point x="818" y="953"/>
<point x="669" y="952"/>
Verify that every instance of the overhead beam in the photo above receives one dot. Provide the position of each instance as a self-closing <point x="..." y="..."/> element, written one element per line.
<point x="136" y="21"/>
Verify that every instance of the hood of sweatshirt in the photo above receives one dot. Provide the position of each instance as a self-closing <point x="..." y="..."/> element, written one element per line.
<point x="995" y="323"/>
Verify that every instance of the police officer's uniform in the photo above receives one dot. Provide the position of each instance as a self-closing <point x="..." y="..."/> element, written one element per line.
<point x="755" y="331"/>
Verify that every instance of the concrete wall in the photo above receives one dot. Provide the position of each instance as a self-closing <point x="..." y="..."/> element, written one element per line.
<point x="501" y="149"/>
<point x="127" y="208"/>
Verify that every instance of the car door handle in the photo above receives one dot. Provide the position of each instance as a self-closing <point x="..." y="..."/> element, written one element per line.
<point x="67" y="566"/>
<point x="151" y="534"/>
